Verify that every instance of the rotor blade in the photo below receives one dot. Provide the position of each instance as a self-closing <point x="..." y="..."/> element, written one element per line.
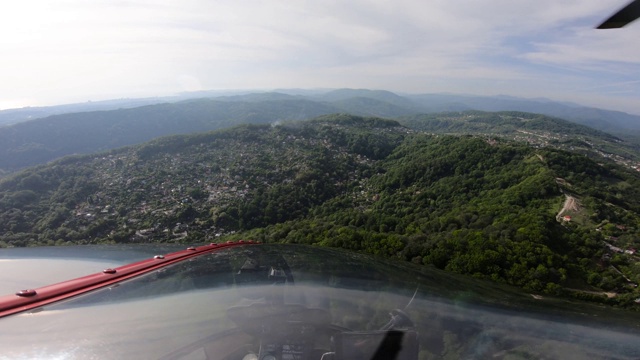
<point x="622" y="17"/>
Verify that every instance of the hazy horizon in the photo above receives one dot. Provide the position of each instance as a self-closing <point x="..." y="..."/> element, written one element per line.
<point x="75" y="52"/>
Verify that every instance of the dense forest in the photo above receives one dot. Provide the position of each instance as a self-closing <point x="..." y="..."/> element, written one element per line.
<point x="41" y="140"/>
<point x="534" y="129"/>
<point x="477" y="205"/>
<point x="37" y="141"/>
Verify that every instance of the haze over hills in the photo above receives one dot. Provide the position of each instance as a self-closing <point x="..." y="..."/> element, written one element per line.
<point x="534" y="129"/>
<point x="14" y="116"/>
<point x="37" y="141"/>
<point x="468" y="204"/>
<point x="17" y="115"/>
<point x="605" y="120"/>
<point x="601" y="119"/>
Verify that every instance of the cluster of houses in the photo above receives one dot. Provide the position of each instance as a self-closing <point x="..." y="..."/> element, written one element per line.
<point x="628" y="251"/>
<point x="151" y="193"/>
<point x="544" y="139"/>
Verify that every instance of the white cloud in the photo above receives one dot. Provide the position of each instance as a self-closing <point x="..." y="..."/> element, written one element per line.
<point x="77" y="50"/>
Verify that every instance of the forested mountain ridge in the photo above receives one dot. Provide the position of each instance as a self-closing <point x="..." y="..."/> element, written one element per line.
<point x="534" y="129"/>
<point x="38" y="141"/>
<point x="474" y="205"/>
<point x="606" y="120"/>
<point x="199" y="170"/>
<point x="502" y="122"/>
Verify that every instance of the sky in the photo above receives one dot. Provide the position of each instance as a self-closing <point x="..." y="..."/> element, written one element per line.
<point x="68" y="51"/>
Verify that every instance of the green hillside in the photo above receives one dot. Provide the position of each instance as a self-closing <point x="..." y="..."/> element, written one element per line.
<point x="534" y="129"/>
<point x="39" y="141"/>
<point x="467" y="204"/>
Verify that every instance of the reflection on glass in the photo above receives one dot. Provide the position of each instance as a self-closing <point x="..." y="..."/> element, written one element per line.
<point x="290" y="302"/>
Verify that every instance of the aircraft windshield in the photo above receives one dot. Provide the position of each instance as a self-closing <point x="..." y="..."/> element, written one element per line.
<point x="298" y="303"/>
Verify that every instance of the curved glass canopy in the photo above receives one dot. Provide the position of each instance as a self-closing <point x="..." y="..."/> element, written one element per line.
<point x="295" y="302"/>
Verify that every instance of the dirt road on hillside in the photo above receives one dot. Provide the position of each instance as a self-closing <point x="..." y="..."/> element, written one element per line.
<point x="570" y="203"/>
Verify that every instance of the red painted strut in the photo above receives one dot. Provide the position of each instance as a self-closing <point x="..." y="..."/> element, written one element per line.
<point x="30" y="299"/>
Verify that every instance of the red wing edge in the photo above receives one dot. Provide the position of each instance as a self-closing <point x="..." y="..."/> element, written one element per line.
<point x="31" y="299"/>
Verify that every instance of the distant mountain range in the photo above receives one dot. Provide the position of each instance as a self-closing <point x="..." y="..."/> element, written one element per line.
<point x="14" y="116"/>
<point x="33" y="142"/>
<point x="606" y="120"/>
<point x="100" y="126"/>
<point x="601" y="119"/>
